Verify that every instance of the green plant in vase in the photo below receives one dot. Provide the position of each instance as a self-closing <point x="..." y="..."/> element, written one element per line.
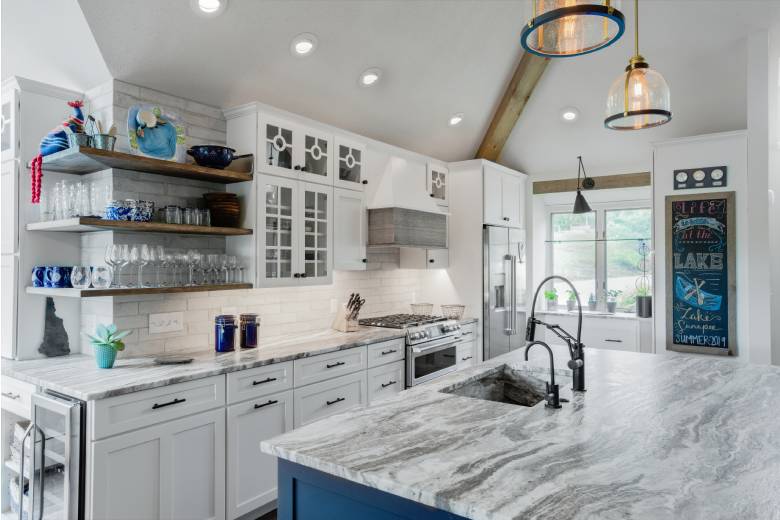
<point x="551" y="296"/>
<point x="107" y="341"/>
<point x="571" y="299"/>
<point x="612" y="296"/>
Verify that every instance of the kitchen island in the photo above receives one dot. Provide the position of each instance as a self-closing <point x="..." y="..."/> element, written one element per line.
<point x="655" y="436"/>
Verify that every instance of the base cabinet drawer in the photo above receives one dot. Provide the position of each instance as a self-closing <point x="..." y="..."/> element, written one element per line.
<point x="17" y="396"/>
<point x="327" y="366"/>
<point x="251" y="474"/>
<point x="467" y="354"/>
<point x="320" y="400"/>
<point x="385" y="381"/>
<point x="613" y="337"/>
<point x="171" y="470"/>
<point x="256" y="382"/>
<point x="140" y="409"/>
<point x="386" y="352"/>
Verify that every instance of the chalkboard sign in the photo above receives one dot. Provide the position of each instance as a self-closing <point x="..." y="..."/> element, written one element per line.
<point x="700" y="273"/>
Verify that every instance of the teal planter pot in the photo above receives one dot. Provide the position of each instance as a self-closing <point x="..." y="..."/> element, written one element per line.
<point x="104" y="356"/>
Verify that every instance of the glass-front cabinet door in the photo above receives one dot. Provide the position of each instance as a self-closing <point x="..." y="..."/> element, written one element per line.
<point x="436" y="183"/>
<point x="278" y="146"/>
<point x="316" y="233"/>
<point x="295" y="151"/>
<point x="350" y="169"/>
<point x="278" y="229"/>
<point x="315" y="163"/>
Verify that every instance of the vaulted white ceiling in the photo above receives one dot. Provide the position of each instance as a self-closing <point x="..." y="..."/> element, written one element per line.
<point x="438" y="57"/>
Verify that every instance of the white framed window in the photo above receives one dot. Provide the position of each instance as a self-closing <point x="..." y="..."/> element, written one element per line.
<point x="601" y="251"/>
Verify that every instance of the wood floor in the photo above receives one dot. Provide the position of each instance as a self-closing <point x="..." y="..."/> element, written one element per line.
<point x="269" y="516"/>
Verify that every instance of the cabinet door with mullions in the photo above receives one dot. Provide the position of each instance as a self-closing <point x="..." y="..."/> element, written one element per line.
<point x="350" y="157"/>
<point x="278" y="146"/>
<point x="278" y="239"/>
<point x="436" y="183"/>
<point x="316" y="233"/>
<point x="316" y="163"/>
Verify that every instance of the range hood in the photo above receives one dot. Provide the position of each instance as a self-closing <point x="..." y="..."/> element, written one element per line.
<point x="403" y="227"/>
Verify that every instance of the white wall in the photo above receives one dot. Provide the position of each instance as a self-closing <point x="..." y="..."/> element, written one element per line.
<point x="730" y="149"/>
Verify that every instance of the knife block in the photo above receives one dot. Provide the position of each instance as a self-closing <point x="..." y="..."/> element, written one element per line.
<point x="342" y="324"/>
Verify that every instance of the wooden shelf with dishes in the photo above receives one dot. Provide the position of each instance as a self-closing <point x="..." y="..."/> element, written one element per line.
<point x="81" y="160"/>
<point x="87" y="224"/>
<point x="132" y="291"/>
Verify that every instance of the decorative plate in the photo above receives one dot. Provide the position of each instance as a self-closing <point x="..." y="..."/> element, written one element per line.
<point x="155" y="133"/>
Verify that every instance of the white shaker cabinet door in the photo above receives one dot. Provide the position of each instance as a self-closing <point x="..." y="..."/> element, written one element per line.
<point x="251" y="477"/>
<point x="513" y="200"/>
<point x="174" y="470"/>
<point x="277" y="230"/>
<point x="493" y="199"/>
<point x="350" y="230"/>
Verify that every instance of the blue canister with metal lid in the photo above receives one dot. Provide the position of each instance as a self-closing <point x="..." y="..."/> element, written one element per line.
<point x="224" y="333"/>
<point x="248" y="330"/>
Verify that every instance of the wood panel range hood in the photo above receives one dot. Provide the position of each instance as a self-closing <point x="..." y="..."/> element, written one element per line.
<point x="403" y="227"/>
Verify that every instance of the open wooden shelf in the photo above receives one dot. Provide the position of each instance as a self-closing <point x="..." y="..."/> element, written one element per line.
<point x="85" y="224"/>
<point x="132" y="291"/>
<point x="81" y="160"/>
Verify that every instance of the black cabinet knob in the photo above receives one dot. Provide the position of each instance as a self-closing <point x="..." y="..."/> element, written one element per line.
<point x="506" y="218"/>
<point x="297" y="167"/>
<point x="303" y="275"/>
<point x="365" y="182"/>
<point x="432" y="195"/>
<point x="431" y="260"/>
<point x="365" y="260"/>
<point x="297" y="275"/>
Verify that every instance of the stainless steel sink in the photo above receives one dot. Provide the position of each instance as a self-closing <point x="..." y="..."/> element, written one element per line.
<point x="503" y="385"/>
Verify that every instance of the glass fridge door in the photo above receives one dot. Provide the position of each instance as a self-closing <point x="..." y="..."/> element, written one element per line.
<point x="53" y="459"/>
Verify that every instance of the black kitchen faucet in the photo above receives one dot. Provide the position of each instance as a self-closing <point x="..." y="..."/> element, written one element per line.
<point x="576" y="348"/>
<point x="552" y="396"/>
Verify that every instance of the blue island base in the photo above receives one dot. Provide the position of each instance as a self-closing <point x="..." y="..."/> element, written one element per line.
<point x="308" y="494"/>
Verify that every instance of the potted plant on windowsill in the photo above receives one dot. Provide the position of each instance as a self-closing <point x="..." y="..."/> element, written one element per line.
<point x="107" y="341"/>
<point x="571" y="300"/>
<point x="644" y="303"/>
<point x="612" y="296"/>
<point x="592" y="302"/>
<point x="552" y="299"/>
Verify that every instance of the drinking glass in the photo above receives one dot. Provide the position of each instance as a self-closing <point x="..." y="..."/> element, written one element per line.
<point x="223" y="267"/>
<point x="193" y="260"/>
<point x="232" y="263"/>
<point x="187" y="216"/>
<point x="83" y="207"/>
<point x="110" y="261"/>
<point x="160" y="259"/>
<point x="101" y="277"/>
<point x="120" y="257"/>
<point x="139" y="257"/>
<point x="213" y="269"/>
<point x="72" y="190"/>
<point x="59" y="200"/>
<point x="172" y="214"/>
<point x="205" y="217"/>
<point x="150" y="255"/>
<point x="80" y="277"/>
<point x="182" y="260"/>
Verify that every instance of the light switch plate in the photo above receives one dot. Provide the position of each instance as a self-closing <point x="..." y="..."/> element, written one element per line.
<point x="166" y="322"/>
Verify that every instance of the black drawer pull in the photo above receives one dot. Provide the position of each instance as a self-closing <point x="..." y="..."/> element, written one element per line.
<point x="389" y="383"/>
<point x="155" y="406"/>
<point x="266" y="380"/>
<point x="337" y="400"/>
<point x="466" y="358"/>
<point x="466" y="333"/>
<point x="386" y="352"/>
<point x="614" y="340"/>
<point x="336" y="364"/>
<point x="269" y="403"/>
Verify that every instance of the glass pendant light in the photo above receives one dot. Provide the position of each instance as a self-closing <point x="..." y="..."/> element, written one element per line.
<point x="562" y="28"/>
<point x="580" y="204"/>
<point x="638" y="98"/>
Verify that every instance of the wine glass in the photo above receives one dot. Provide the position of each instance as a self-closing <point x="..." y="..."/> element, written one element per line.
<point x="120" y="257"/>
<point x="193" y="259"/>
<point x="232" y="267"/>
<point x="139" y="257"/>
<point x="110" y="262"/>
<point x="213" y="269"/>
<point x="162" y="264"/>
<point x="149" y="253"/>
<point x="101" y="277"/>
<point x="80" y="277"/>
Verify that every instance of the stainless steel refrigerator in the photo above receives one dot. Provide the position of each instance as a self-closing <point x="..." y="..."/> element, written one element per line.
<point x="504" y="288"/>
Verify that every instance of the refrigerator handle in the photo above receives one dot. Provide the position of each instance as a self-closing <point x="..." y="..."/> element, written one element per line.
<point x="508" y="277"/>
<point x="513" y="305"/>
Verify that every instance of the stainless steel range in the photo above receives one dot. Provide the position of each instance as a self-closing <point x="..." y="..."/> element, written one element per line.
<point x="431" y="344"/>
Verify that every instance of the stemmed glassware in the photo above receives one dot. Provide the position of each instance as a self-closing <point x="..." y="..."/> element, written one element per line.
<point x="162" y="264"/>
<point x="118" y="256"/>
<point x="193" y="260"/>
<point x="139" y="257"/>
<point x="232" y="265"/>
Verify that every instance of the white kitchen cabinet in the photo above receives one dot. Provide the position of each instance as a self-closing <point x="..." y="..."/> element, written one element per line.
<point x="319" y="400"/>
<point x="415" y="258"/>
<point x="597" y="332"/>
<point x="171" y="470"/>
<point x="9" y="203"/>
<point x="251" y="474"/>
<point x="295" y="151"/>
<point x="350" y="170"/>
<point x="467" y="354"/>
<point x="385" y="381"/>
<point x="9" y="124"/>
<point x="9" y="276"/>
<point x="504" y="195"/>
<point x="350" y="230"/>
<point x="436" y="181"/>
<point x="295" y="238"/>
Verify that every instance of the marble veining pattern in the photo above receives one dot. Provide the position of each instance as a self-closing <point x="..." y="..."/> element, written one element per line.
<point x="654" y="437"/>
<point x="77" y="375"/>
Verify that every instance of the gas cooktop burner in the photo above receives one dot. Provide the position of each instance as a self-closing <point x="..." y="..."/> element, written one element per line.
<point x="401" y="321"/>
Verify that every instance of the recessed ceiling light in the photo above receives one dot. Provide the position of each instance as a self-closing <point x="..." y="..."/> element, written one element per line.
<point x="569" y="114"/>
<point x="208" y="8"/>
<point x="456" y="119"/>
<point x="370" y="77"/>
<point x="303" y="45"/>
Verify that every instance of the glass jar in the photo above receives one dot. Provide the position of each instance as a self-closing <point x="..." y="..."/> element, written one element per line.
<point x="249" y="323"/>
<point x="224" y="333"/>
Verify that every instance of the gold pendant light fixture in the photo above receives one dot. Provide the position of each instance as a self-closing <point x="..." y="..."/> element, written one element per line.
<point x="639" y="98"/>
<point x="565" y="28"/>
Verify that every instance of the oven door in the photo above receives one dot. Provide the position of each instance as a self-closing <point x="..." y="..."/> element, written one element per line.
<point x="430" y="360"/>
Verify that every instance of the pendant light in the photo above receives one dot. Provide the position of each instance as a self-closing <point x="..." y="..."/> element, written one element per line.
<point x="580" y="204"/>
<point x="563" y="28"/>
<point x="640" y="97"/>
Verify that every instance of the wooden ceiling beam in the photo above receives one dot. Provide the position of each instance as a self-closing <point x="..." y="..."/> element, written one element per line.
<point x="522" y="84"/>
<point x="604" y="182"/>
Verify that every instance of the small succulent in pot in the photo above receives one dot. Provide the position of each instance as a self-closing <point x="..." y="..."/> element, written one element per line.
<point x="612" y="296"/>
<point x="107" y="341"/>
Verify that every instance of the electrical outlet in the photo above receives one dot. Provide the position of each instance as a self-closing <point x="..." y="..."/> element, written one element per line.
<point x="166" y="322"/>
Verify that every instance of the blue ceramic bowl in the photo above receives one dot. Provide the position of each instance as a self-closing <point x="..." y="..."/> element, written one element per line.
<point x="212" y="156"/>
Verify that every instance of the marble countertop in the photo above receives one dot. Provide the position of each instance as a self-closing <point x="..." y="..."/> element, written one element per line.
<point x="654" y="437"/>
<point x="76" y="375"/>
